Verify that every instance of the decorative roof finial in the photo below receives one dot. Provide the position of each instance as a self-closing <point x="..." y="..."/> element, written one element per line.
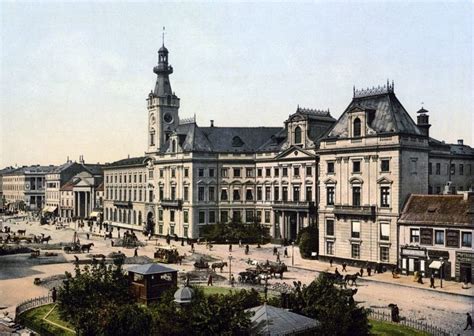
<point x="354" y="90"/>
<point x="163" y="36"/>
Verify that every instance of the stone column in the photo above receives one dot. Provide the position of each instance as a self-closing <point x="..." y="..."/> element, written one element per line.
<point x="297" y="222"/>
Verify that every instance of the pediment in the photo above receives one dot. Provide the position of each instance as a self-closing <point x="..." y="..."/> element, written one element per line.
<point x="356" y="180"/>
<point x="295" y="152"/>
<point x="356" y="108"/>
<point x="330" y="181"/>
<point x="384" y="180"/>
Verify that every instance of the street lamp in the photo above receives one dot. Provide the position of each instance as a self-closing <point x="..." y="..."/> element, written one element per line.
<point x="230" y="267"/>
<point x="441" y="271"/>
<point x="293" y="254"/>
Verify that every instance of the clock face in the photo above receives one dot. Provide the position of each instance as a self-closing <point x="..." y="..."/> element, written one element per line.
<point x="168" y="118"/>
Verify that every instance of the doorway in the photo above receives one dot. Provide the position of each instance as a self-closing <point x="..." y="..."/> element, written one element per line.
<point x="465" y="272"/>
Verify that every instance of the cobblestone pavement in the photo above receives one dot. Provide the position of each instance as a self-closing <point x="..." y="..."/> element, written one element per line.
<point x="445" y="307"/>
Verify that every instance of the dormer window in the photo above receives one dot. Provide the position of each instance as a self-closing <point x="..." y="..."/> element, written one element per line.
<point x="237" y="142"/>
<point x="297" y="135"/>
<point x="356" y="128"/>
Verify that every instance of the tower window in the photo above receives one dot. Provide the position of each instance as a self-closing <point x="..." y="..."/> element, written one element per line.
<point x="152" y="138"/>
<point x="357" y="129"/>
<point x="168" y="99"/>
<point x="297" y="135"/>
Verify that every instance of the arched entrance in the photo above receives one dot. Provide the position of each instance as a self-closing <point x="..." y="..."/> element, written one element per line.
<point x="150" y="223"/>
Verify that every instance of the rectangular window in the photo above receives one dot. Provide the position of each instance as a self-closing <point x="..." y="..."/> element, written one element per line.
<point x="356" y="166"/>
<point x="268" y="194"/>
<point x="236" y="195"/>
<point x="212" y="193"/>
<point x="249" y="195"/>
<point x="453" y="169"/>
<point x="161" y="173"/>
<point x="355" y="230"/>
<point x="249" y="216"/>
<point x="330" y="248"/>
<point x="249" y="172"/>
<point x="202" y="217"/>
<point x="186" y="233"/>
<point x="330" y="168"/>
<point x="309" y="171"/>
<point x="284" y="194"/>
<point x="160" y="215"/>
<point x="439" y="237"/>
<point x="139" y="195"/>
<point x="330" y="195"/>
<point x="150" y="196"/>
<point x="430" y="168"/>
<point x="276" y="172"/>
<point x="329" y="227"/>
<point x="259" y="193"/>
<point x="259" y="172"/>
<point x="172" y="215"/>
<point x="461" y="169"/>
<point x="236" y="216"/>
<point x="236" y="172"/>
<point x="185" y="216"/>
<point x="224" y="172"/>
<point x="309" y="194"/>
<point x="259" y="216"/>
<point x="276" y="193"/>
<point x="160" y="229"/>
<point x="385" y="166"/>
<point x="211" y="172"/>
<point x="267" y="216"/>
<point x="139" y="178"/>
<point x="212" y="216"/>
<point x="150" y="174"/>
<point x="296" y="193"/>
<point x="466" y="239"/>
<point x="186" y="193"/>
<point x="285" y="172"/>
<point x="201" y="172"/>
<point x="413" y="166"/>
<point x="224" y="196"/>
<point x="224" y="216"/>
<point x="173" y="193"/>
<point x="384" y="231"/>
<point x="430" y="190"/>
<point x="385" y="197"/>
<point x="384" y="254"/>
<point x="296" y="172"/>
<point x="186" y="172"/>
<point x="268" y="172"/>
<point x="414" y="235"/>
<point x="438" y="169"/>
<point x="161" y="193"/>
<point x="355" y="251"/>
<point x="356" y="196"/>
<point x="201" y="194"/>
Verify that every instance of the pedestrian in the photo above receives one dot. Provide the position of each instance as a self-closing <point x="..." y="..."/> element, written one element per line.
<point x="344" y="265"/>
<point x="468" y="321"/>
<point x="232" y="280"/>
<point x="274" y="250"/>
<point x="361" y="272"/>
<point x="149" y="236"/>
<point x="135" y="254"/>
<point x="112" y="243"/>
<point x="240" y="243"/>
<point x="247" y="249"/>
<point x="54" y="295"/>
<point x="230" y="247"/>
<point x="278" y="257"/>
<point x="432" y="280"/>
<point x="336" y="272"/>
<point x="87" y="235"/>
<point x="420" y="278"/>
<point x="286" y="252"/>
<point x="330" y="262"/>
<point x="209" y="280"/>
<point x="369" y="270"/>
<point x="192" y="247"/>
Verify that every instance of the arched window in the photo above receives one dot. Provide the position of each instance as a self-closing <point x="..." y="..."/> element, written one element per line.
<point x="134" y="217"/>
<point x="356" y="132"/>
<point x="139" y="218"/>
<point x="129" y="219"/>
<point x="297" y="135"/>
<point x="152" y="137"/>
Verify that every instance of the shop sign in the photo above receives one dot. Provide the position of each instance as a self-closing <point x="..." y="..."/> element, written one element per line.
<point x="436" y="254"/>
<point x="414" y="253"/>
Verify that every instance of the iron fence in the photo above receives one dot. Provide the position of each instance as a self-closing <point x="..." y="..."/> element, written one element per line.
<point x="32" y="303"/>
<point x="381" y="315"/>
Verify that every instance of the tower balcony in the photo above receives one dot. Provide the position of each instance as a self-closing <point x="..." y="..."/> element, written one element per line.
<point x="354" y="210"/>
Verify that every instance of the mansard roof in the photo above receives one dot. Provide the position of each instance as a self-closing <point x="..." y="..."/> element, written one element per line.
<point x="390" y="116"/>
<point x="314" y="114"/>
<point x="135" y="161"/>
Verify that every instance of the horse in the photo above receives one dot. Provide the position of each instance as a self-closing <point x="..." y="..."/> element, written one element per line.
<point x="86" y="247"/>
<point x="278" y="269"/>
<point x="219" y="265"/>
<point x="352" y="278"/>
<point x="21" y="232"/>
<point x="45" y="239"/>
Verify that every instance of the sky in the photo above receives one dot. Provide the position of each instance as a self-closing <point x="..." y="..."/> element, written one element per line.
<point x="74" y="76"/>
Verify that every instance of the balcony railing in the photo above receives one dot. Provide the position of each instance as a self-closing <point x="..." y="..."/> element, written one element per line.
<point x="123" y="204"/>
<point x="354" y="210"/>
<point x="170" y="203"/>
<point x="293" y="204"/>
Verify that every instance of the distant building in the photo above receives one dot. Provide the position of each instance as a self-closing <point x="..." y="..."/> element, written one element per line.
<point x="3" y="201"/>
<point x="25" y="187"/>
<point x="432" y="227"/>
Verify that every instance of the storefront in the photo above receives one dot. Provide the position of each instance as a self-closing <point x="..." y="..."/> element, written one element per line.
<point x="413" y="259"/>
<point x="464" y="266"/>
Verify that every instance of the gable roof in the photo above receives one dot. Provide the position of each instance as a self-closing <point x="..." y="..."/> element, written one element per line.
<point x="269" y="320"/>
<point x="151" y="269"/>
<point x="438" y="210"/>
<point x="390" y="116"/>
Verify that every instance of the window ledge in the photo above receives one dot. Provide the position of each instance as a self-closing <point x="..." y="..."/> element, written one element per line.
<point x="355" y="240"/>
<point x="330" y="238"/>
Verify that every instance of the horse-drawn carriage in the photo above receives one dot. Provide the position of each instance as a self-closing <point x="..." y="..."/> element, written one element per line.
<point x="201" y="264"/>
<point x="168" y="255"/>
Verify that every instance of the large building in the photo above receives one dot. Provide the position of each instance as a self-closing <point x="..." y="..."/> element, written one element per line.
<point x="24" y="188"/>
<point x="350" y="176"/>
<point x="3" y="201"/>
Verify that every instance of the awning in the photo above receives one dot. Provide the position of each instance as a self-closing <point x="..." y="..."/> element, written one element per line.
<point x="49" y="209"/>
<point x="94" y="214"/>
<point x="435" y="264"/>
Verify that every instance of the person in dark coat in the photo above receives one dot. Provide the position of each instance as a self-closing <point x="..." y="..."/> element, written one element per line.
<point x="209" y="280"/>
<point x="432" y="281"/>
<point x="344" y="265"/>
<point x="361" y="271"/>
<point x="468" y="321"/>
<point x="275" y="250"/>
<point x="54" y="295"/>
<point x="135" y="254"/>
<point x="330" y="262"/>
<point x="230" y="247"/>
<point x="247" y="249"/>
<point x="285" y="252"/>
<point x="369" y="270"/>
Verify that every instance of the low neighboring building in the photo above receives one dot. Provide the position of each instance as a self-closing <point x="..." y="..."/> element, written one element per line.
<point x="438" y="228"/>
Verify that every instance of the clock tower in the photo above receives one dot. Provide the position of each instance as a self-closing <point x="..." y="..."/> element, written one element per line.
<point x="162" y="105"/>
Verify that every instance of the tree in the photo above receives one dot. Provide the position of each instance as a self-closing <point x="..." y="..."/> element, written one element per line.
<point x="129" y="320"/>
<point x="307" y="241"/>
<point x="332" y="306"/>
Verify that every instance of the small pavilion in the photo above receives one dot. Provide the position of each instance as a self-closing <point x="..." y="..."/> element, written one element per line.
<point x="269" y="320"/>
<point x="149" y="281"/>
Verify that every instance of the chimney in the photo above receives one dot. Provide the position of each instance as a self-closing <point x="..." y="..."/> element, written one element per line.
<point x="423" y="122"/>
<point x="460" y="142"/>
<point x="212" y="123"/>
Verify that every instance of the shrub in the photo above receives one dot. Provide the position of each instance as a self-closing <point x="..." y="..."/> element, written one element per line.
<point x="308" y="241"/>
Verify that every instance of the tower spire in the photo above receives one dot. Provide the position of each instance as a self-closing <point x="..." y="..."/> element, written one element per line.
<point x="163" y="37"/>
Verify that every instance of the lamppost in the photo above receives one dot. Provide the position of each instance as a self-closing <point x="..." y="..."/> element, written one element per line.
<point x="292" y="253"/>
<point x="441" y="271"/>
<point x="230" y="267"/>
